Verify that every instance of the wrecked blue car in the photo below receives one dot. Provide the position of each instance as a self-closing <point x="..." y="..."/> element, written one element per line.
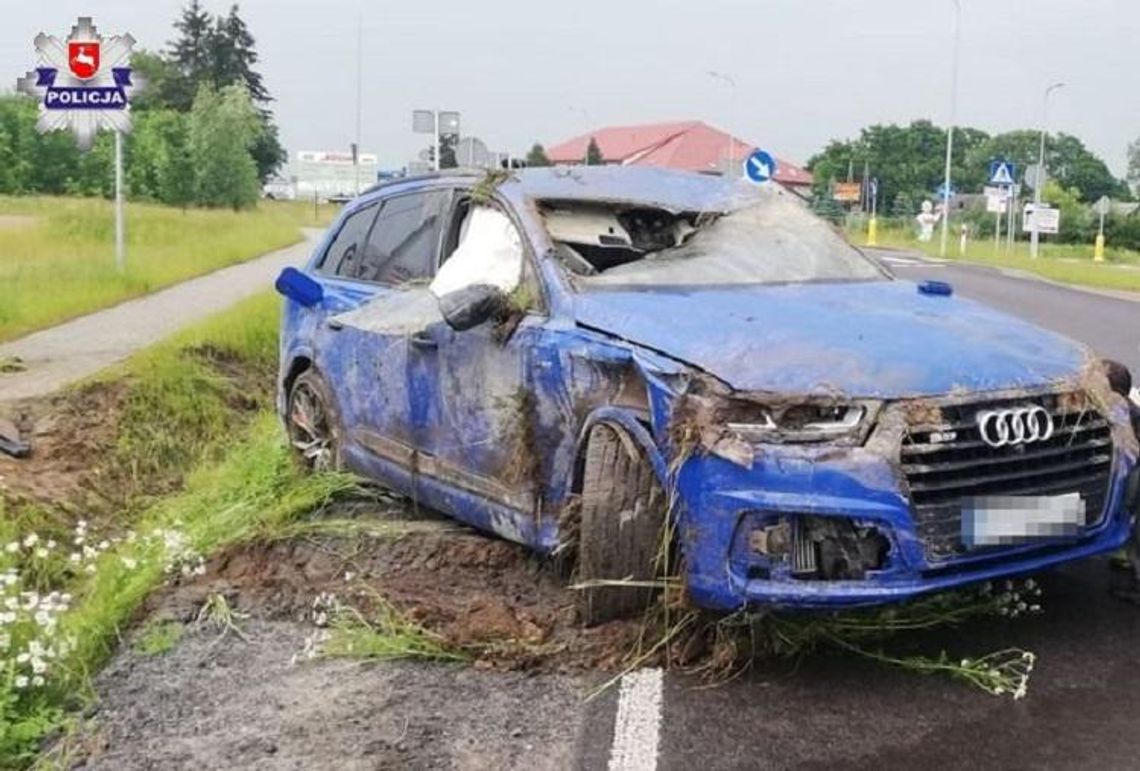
<point x="668" y="375"/>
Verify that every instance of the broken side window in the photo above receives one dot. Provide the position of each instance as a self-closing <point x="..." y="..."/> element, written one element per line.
<point x="403" y="243"/>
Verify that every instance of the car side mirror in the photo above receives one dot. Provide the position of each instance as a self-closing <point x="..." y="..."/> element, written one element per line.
<point x="299" y="287"/>
<point x="472" y="305"/>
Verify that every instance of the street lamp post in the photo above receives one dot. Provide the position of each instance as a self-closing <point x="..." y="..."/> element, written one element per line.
<point x="731" y="82"/>
<point x="1039" y="183"/>
<point x="950" y="128"/>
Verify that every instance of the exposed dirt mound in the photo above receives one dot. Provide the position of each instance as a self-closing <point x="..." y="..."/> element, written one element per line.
<point x="488" y="596"/>
<point x="73" y="437"/>
<point x="76" y="467"/>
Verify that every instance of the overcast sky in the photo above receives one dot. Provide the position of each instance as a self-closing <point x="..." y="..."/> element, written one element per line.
<point x="806" y="70"/>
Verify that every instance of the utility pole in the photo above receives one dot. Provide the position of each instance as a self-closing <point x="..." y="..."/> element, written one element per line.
<point x="356" y="146"/>
<point x="950" y="128"/>
<point x="1034" y="236"/>
<point x="120" y="252"/>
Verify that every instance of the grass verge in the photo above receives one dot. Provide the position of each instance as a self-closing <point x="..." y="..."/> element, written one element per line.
<point x="1066" y="263"/>
<point x="70" y="576"/>
<point x="57" y="254"/>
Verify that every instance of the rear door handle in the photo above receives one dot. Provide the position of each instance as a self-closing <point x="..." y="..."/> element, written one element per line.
<point x="334" y="325"/>
<point x="424" y="340"/>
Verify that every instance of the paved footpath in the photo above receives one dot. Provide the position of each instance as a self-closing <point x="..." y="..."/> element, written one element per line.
<point x="76" y="349"/>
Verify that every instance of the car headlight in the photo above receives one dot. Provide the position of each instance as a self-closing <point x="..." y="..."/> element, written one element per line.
<point x="845" y="423"/>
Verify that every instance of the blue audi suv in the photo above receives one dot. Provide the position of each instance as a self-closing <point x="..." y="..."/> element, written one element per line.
<point x="658" y="375"/>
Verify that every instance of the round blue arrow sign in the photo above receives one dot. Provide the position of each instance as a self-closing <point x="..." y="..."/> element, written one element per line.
<point x="759" y="167"/>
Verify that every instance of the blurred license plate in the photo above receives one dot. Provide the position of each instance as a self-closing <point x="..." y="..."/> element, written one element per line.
<point x="1002" y="520"/>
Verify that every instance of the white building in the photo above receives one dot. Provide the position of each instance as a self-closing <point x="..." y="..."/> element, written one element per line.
<point x="325" y="173"/>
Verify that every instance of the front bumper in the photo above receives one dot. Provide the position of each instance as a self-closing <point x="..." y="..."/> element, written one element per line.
<point x="722" y="503"/>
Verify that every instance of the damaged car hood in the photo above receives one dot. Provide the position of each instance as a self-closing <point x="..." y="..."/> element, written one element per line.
<point x="879" y="339"/>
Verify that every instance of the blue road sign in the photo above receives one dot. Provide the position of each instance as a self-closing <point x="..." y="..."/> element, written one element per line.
<point x="759" y="167"/>
<point x="1002" y="173"/>
<point x="941" y="191"/>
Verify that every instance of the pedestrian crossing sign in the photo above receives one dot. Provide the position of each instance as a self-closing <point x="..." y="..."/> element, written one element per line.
<point x="1002" y="173"/>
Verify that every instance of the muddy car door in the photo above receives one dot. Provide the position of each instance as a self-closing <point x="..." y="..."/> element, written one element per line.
<point x="367" y="360"/>
<point x="478" y="428"/>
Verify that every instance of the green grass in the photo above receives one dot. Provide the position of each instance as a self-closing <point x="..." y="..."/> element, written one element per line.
<point x="384" y="635"/>
<point x="178" y="409"/>
<point x="158" y="637"/>
<point x="57" y="254"/>
<point x="182" y="412"/>
<point x="255" y="489"/>
<point x="306" y="213"/>
<point x="1067" y="263"/>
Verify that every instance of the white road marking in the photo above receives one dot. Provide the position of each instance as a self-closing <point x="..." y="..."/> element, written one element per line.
<point x="637" y="725"/>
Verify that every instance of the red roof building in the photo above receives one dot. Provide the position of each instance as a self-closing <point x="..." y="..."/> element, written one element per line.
<point x="688" y="145"/>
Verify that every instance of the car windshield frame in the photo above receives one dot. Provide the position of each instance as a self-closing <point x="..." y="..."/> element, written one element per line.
<point x="775" y="216"/>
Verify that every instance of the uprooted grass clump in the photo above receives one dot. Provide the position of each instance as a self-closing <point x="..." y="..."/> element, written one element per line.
<point x="384" y="634"/>
<point x="720" y="648"/>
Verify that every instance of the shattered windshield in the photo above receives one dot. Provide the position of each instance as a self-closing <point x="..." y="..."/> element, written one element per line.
<point x="771" y="241"/>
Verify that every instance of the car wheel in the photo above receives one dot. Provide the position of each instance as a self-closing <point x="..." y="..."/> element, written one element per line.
<point x="311" y="420"/>
<point x="623" y="512"/>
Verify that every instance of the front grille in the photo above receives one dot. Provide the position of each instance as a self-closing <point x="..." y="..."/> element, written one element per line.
<point x="945" y="460"/>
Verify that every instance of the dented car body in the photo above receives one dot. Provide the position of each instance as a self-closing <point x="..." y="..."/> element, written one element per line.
<point x="828" y="435"/>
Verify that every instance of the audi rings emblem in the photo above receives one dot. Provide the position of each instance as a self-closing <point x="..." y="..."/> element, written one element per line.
<point x="1020" y="425"/>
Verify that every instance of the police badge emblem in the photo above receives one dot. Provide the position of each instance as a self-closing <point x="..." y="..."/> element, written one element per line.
<point x="82" y="83"/>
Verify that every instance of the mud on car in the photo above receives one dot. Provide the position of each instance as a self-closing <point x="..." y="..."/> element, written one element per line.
<point x="601" y="362"/>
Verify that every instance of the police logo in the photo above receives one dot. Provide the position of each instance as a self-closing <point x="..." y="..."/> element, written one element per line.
<point x="82" y="83"/>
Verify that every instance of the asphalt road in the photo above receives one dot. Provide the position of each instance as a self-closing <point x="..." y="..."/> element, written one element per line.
<point x="1083" y="707"/>
<point x="1108" y="323"/>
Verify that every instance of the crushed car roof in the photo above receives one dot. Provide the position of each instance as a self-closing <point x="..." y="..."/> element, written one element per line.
<point x="664" y="188"/>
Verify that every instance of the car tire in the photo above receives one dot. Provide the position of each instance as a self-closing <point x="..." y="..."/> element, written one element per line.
<point x="313" y="424"/>
<point x="623" y="510"/>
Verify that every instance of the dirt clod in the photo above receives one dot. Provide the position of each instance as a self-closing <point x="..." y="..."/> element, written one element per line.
<point x="490" y="597"/>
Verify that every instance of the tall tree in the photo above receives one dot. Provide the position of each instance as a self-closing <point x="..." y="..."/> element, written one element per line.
<point x="190" y="54"/>
<point x="1066" y="159"/>
<point x="906" y="159"/>
<point x="221" y="51"/>
<point x="594" y="154"/>
<point x="537" y="156"/>
<point x="234" y="56"/>
<point x="223" y="125"/>
<point x="160" y="75"/>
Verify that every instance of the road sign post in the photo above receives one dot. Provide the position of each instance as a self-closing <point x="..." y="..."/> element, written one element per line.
<point x="1000" y="193"/>
<point x="759" y="167"/>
